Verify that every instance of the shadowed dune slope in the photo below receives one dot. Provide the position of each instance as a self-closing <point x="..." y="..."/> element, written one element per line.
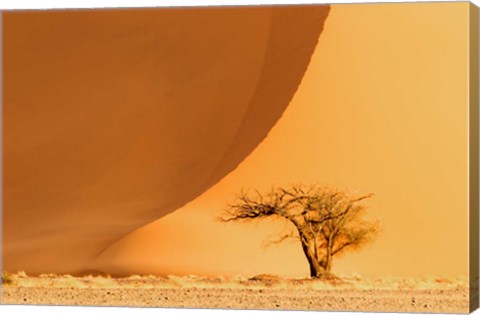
<point x="115" y="118"/>
<point x="278" y="79"/>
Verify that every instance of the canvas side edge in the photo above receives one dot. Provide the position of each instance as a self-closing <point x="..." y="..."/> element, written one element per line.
<point x="1" y="152"/>
<point x="473" y="157"/>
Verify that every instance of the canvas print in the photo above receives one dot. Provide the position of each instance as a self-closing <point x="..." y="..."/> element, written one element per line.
<point x="295" y="157"/>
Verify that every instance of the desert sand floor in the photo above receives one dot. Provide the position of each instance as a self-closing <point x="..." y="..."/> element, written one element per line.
<point x="264" y="292"/>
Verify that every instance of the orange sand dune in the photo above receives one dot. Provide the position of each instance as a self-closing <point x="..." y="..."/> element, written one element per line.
<point x="382" y="108"/>
<point x="114" y="118"/>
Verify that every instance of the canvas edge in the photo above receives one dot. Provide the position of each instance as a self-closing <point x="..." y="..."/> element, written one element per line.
<point x="1" y="153"/>
<point x="473" y="157"/>
<point x="473" y="147"/>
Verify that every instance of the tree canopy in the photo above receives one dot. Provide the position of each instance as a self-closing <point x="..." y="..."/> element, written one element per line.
<point x="327" y="221"/>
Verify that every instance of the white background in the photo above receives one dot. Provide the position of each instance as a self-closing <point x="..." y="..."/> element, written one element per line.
<point x="46" y="4"/>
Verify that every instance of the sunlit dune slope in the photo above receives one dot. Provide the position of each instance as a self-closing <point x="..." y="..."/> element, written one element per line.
<point x="382" y="108"/>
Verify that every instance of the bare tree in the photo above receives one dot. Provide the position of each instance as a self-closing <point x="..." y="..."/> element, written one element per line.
<point x="327" y="221"/>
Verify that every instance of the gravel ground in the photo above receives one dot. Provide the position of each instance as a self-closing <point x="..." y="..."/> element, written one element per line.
<point x="161" y="293"/>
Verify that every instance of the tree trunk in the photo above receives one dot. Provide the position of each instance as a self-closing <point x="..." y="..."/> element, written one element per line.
<point x="316" y="270"/>
<point x="328" y="265"/>
<point x="328" y="256"/>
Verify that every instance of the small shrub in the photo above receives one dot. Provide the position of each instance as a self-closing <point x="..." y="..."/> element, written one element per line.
<point x="7" y="278"/>
<point x="266" y="279"/>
